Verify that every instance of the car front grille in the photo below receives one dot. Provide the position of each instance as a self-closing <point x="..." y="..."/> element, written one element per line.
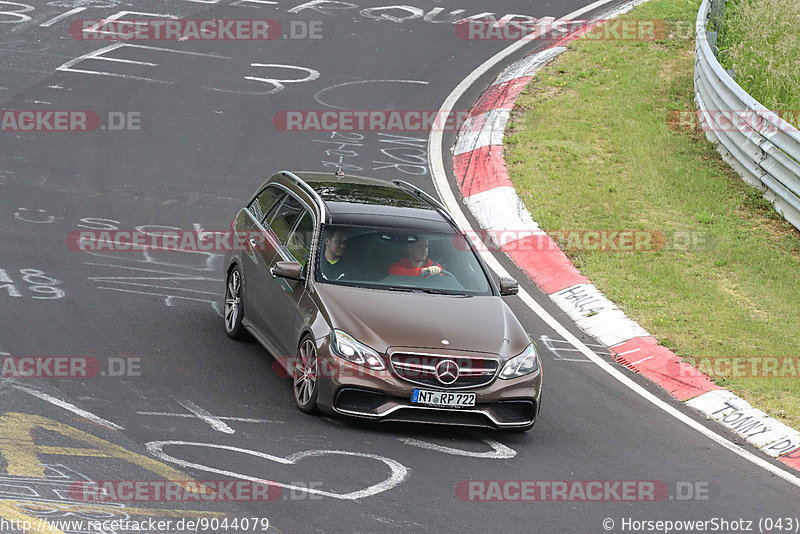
<point x="421" y="369"/>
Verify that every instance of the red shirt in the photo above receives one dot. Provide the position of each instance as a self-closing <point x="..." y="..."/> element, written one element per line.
<point x="405" y="268"/>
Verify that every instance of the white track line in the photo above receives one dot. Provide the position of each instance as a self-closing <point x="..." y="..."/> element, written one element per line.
<point x="398" y="475"/>
<point x="206" y="416"/>
<point x="65" y="405"/>
<point x="498" y="452"/>
<point x="220" y="417"/>
<point x="439" y="177"/>
<point x="62" y="16"/>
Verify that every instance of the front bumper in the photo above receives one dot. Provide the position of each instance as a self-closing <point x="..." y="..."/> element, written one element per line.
<point x="371" y="404"/>
<point x="354" y="391"/>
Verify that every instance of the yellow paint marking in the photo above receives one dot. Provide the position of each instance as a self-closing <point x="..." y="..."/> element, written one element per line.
<point x="21" y="453"/>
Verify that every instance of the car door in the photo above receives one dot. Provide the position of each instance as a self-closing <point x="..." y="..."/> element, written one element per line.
<point x="289" y="293"/>
<point x="271" y="307"/>
<point x="257" y="249"/>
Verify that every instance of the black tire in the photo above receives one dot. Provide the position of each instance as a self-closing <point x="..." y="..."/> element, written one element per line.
<point x="234" y="311"/>
<point x="305" y="377"/>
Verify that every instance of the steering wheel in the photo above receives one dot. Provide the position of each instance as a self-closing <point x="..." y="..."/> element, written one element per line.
<point x="444" y="273"/>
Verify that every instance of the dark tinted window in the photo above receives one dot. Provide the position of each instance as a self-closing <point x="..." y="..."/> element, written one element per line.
<point x="299" y="244"/>
<point x="283" y="218"/>
<point x="399" y="259"/>
<point x="265" y="201"/>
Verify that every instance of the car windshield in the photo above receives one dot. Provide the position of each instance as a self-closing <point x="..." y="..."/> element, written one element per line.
<point x="400" y="260"/>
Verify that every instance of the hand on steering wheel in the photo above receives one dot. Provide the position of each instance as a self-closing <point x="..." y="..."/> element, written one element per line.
<point x="436" y="270"/>
<point x="433" y="270"/>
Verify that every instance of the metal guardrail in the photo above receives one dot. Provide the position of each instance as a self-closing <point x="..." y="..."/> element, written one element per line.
<point x="763" y="148"/>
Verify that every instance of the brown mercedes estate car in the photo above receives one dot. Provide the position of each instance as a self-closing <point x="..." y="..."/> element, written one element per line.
<point x="377" y="305"/>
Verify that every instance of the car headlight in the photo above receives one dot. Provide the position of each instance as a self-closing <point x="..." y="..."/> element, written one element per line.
<point x="522" y="364"/>
<point x="345" y="346"/>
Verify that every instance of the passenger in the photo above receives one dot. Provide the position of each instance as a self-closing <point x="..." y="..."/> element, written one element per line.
<point x="417" y="263"/>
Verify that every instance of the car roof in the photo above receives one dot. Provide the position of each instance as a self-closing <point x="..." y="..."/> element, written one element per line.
<point x="356" y="200"/>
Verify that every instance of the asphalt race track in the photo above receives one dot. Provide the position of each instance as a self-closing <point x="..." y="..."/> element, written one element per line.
<point x="206" y="140"/>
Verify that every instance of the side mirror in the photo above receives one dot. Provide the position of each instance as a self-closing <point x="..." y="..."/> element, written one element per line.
<point x="287" y="269"/>
<point x="508" y="286"/>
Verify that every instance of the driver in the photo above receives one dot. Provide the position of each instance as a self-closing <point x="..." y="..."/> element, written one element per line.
<point x="334" y="265"/>
<point x="417" y="263"/>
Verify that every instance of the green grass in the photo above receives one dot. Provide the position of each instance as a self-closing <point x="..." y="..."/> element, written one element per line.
<point x="760" y="40"/>
<point x="589" y="147"/>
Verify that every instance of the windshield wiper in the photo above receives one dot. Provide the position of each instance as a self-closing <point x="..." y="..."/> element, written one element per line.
<point x="430" y="291"/>
<point x="400" y="288"/>
<point x="443" y="292"/>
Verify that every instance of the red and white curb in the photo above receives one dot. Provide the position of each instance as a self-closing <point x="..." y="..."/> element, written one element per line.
<point x="488" y="193"/>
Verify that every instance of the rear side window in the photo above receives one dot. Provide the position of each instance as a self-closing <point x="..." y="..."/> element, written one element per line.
<point x="265" y="201"/>
<point x="284" y="217"/>
<point x="299" y="243"/>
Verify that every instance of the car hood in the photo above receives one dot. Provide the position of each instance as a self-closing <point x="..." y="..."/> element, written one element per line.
<point x="386" y="319"/>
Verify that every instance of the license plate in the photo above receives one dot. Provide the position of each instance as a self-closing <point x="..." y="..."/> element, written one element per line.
<point x="441" y="398"/>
